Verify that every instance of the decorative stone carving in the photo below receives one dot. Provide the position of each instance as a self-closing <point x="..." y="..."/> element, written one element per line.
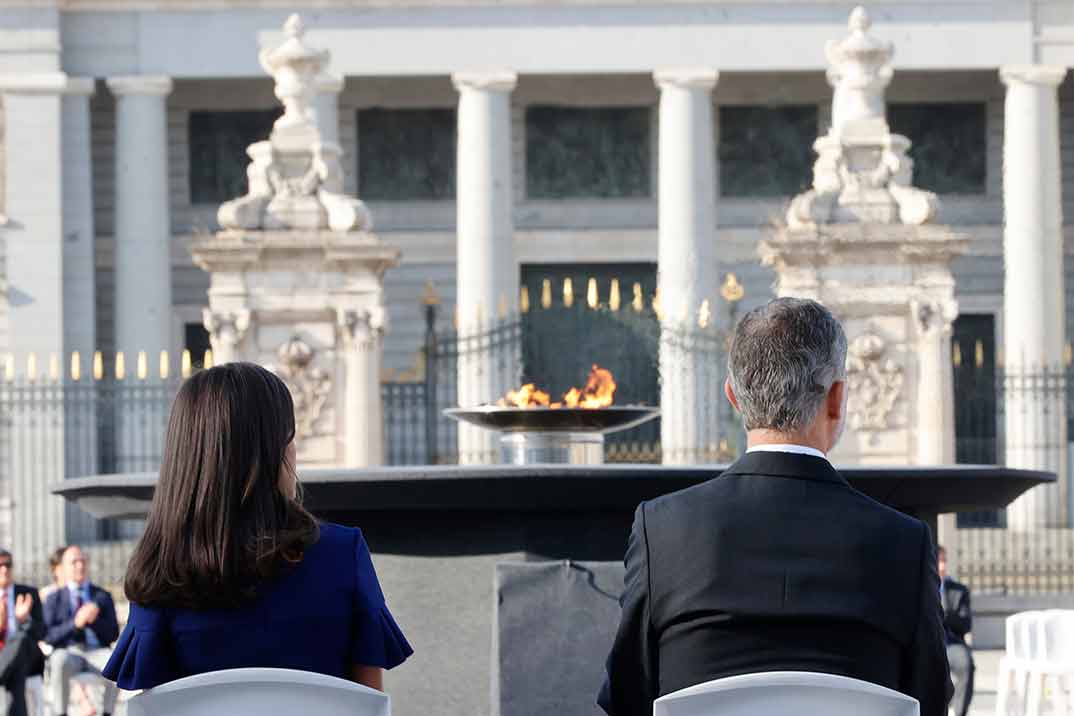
<point x="362" y="328"/>
<point x="862" y="172"/>
<point x="226" y="331"/>
<point x="874" y="382"/>
<point x="310" y="385"/>
<point x="295" y="177"/>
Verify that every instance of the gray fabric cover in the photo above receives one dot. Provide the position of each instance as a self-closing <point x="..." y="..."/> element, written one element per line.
<point x="555" y="622"/>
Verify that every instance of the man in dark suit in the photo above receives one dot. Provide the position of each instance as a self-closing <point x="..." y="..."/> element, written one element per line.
<point x="22" y="625"/>
<point x="81" y="625"/>
<point x="778" y="564"/>
<point x="957" y="623"/>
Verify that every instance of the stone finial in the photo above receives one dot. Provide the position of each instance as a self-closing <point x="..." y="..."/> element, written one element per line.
<point x="863" y="173"/>
<point x="295" y="66"/>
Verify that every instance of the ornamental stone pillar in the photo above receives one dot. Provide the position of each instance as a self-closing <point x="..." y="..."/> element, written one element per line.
<point x="142" y="265"/>
<point x="685" y="268"/>
<point x="1034" y="308"/>
<point x="487" y="272"/>
<point x="362" y="435"/>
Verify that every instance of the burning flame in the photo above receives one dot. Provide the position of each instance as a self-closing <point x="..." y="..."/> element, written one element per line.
<point x="599" y="392"/>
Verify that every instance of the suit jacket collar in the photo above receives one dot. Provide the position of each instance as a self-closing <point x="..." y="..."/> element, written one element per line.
<point x="785" y="464"/>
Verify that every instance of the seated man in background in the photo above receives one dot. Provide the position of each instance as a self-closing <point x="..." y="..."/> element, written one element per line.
<point x="22" y="625"/>
<point x="779" y="564"/>
<point x="81" y="625"/>
<point x="957" y="622"/>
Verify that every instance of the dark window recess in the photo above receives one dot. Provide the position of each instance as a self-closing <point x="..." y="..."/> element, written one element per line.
<point x="767" y="151"/>
<point x="406" y="154"/>
<point x="949" y="144"/>
<point x="218" y="160"/>
<point x="601" y="153"/>
<point x="973" y="349"/>
<point x="196" y="340"/>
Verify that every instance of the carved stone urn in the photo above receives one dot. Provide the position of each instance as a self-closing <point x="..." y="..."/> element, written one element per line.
<point x="860" y="241"/>
<point x="296" y="274"/>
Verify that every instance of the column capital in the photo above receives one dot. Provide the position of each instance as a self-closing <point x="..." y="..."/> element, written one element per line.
<point x="46" y="83"/>
<point x="327" y="82"/>
<point x="687" y="77"/>
<point x="140" y="84"/>
<point x="1046" y="75"/>
<point x="498" y="81"/>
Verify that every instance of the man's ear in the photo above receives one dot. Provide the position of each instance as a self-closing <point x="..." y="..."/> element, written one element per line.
<point x="730" y="393"/>
<point x="835" y="399"/>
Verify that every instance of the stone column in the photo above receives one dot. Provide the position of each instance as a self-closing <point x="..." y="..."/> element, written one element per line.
<point x="327" y="107"/>
<point x="48" y="269"/>
<point x="143" y="300"/>
<point x="934" y="422"/>
<point x="687" y="231"/>
<point x="487" y="273"/>
<point x="363" y="434"/>
<point x="1033" y="310"/>
<point x="226" y="331"/>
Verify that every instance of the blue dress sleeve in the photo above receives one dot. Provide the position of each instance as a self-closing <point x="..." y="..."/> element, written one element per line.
<point x="377" y="639"/>
<point x="144" y="656"/>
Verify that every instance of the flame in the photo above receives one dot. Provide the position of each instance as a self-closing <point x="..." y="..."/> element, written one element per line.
<point x="599" y="392"/>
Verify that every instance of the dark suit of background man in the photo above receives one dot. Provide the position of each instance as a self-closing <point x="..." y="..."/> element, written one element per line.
<point x="957" y="622"/>
<point x="81" y="625"/>
<point x="778" y="564"/>
<point x="21" y="627"/>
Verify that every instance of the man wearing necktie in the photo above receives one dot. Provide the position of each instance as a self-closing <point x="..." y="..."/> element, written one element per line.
<point x="21" y="627"/>
<point x="81" y="625"/>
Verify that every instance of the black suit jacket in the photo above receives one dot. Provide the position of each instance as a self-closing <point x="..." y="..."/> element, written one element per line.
<point x="957" y="614"/>
<point x="777" y="564"/>
<point x="60" y="619"/>
<point x="23" y="651"/>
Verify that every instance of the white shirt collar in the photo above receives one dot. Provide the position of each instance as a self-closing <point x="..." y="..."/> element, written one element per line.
<point x="788" y="447"/>
<point x="75" y="587"/>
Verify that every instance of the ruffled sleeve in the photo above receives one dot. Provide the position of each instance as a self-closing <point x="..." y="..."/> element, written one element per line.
<point x="144" y="656"/>
<point x="377" y="639"/>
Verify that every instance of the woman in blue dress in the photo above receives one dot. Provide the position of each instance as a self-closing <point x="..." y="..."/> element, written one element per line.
<point x="231" y="570"/>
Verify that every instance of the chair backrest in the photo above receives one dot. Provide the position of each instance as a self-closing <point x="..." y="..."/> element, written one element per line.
<point x="778" y="693"/>
<point x="260" y="692"/>
<point x="1021" y="634"/>
<point x="1056" y="635"/>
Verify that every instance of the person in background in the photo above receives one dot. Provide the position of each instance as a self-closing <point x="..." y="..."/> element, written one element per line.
<point x="21" y="626"/>
<point x="55" y="562"/>
<point x="80" y="626"/>
<point x="231" y="571"/>
<point x="957" y="623"/>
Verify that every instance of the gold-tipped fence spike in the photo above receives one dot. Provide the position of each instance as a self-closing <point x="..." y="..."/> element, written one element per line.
<point x="657" y="309"/>
<point x="121" y="365"/>
<point x="98" y="365"/>
<point x="186" y="365"/>
<point x="613" y="295"/>
<point x="76" y="366"/>
<point x="524" y="299"/>
<point x="429" y="295"/>
<point x="732" y="291"/>
<point x="9" y="368"/>
<point x="142" y="366"/>
<point x="546" y="293"/>
<point x="165" y="365"/>
<point x="207" y="361"/>
<point x="503" y="308"/>
<point x="592" y="296"/>
<point x="639" y="299"/>
<point x="1068" y="355"/>
<point x="704" y="314"/>
<point x="978" y="354"/>
<point x="956" y="355"/>
<point x="31" y="366"/>
<point x="568" y="292"/>
<point x="54" y="367"/>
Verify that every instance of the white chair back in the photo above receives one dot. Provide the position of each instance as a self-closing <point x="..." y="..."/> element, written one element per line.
<point x="1021" y="634"/>
<point x="1056" y="636"/>
<point x="260" y="692"/>
<point x="786" y="693"/>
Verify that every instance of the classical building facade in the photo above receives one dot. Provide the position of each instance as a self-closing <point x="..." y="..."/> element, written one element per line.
<point x="496" y="142"/>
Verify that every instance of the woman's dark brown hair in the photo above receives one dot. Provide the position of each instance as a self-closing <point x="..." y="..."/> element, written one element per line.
<point x="220" y="526"/>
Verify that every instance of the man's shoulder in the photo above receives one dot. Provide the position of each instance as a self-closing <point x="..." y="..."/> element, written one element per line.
<point x="97" y="591"/>
<point x="953" y="585"/>
<point x="27" y="589"/>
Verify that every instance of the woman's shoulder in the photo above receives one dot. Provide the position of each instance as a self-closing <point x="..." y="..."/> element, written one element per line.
<point x="336" y="536"/>
<point x="147" y="618"/>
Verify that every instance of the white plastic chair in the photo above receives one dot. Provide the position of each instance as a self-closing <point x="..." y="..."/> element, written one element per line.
<point x="260" y="692"/>
<point x="1020" y="652"/>
<point x="1055" y="639"/>
<point x="779" y="693"/>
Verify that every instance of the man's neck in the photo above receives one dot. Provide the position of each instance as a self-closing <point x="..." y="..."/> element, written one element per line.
<point x="756" y="438"/>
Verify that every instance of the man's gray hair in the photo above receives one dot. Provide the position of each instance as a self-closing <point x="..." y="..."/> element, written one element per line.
<point x="784" y="357"/>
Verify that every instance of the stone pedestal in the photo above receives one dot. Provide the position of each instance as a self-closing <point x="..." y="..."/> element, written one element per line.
<point x="892" y="289"/>
<point x="310" y="306"/>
